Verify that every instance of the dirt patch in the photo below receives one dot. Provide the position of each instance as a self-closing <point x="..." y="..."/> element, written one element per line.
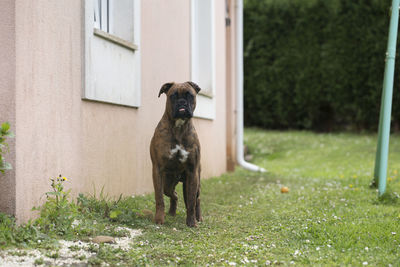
<point x="74" y="253"/>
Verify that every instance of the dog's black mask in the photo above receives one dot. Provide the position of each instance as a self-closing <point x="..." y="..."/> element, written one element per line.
<point x="182" y="105"/>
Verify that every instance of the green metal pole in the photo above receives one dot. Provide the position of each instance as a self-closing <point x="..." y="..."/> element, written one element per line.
<point x="381" y="160"/>
<point x="379" y="145"/>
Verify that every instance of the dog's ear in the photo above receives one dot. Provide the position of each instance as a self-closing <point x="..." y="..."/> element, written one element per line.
<point x="165" y="88"/>
<point x="195" y="86"/>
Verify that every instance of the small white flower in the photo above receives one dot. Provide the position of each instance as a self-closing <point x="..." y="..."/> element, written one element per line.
<point x="307" y="241"/>
<point x="328" y="246"/>
<point x="366" y="248"/>
<point x="317" y="248"/>
<point x="292" y="262"/>
<point x="232" y="264"/>
<point x="365" y="263"/>
<point x="393" y="233"/>
<point x="268" y="262"/>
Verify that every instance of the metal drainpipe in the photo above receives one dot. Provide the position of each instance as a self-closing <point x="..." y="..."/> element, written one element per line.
<point x="239" y="91"/>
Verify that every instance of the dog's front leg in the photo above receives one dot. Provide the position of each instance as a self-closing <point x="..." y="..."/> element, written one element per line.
<point x="192" y="188"/>
<point x="158" y="182"/>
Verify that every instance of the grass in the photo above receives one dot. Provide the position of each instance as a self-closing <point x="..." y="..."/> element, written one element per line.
<point x="329" y="217"/>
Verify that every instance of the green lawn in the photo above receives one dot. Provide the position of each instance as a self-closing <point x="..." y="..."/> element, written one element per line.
<point x="329" y="217"/>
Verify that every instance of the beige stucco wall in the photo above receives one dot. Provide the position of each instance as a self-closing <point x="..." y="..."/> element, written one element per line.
<point x="96" y="144"/>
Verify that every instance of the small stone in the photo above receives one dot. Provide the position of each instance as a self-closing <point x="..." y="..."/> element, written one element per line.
<point x="100" y="239"/>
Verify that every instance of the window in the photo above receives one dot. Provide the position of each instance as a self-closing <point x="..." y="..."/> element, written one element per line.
<point x="203" y="55"/>
<point x="115" y="17"/>
<point x="112" y="51"/>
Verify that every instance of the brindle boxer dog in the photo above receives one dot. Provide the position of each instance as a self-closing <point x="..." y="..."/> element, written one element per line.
<point x="175" y="153"/>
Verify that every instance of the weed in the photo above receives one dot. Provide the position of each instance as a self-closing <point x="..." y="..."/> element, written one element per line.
<point x="74" y="248"/>
<point x="18" y="253"/>
<point x="39" y="261"/>
<point x="11" y="234"/>
<point x="57" y="213"/>
<point x="53" y="255"/>
<point x="81" y="257"/>
<point x="4" y="134"/>
<point x="93" y="248"/>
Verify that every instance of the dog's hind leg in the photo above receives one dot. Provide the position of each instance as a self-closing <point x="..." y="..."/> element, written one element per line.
<point x="199" y="218"/>
<point x="184" y="193"/>
<point x="169" y="190"/>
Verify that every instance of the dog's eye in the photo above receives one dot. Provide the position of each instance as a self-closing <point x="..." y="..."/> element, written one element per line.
<point x="174" y="95"/>
<point x="189" y="95"/>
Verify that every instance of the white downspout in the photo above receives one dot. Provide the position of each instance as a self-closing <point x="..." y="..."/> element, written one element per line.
<point x="239" y="91"/>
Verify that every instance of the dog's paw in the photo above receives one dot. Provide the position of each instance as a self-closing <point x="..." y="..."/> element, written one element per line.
<point x="172" y="212"/>
<point x="191" y="222"/>
<point x="159" y="218"/>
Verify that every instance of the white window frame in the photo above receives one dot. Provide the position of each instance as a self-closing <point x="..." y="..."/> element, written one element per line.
<point x="112" y="65"/>
<point x="206" y="102"/>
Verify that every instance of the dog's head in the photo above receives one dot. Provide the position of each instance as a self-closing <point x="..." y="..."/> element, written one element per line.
<point x="181" y="99"/>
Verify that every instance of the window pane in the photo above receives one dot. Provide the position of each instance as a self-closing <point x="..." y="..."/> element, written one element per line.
<point x="104" y="20"/>
<point x="97" y="14"/>
<point x="122" y="19"/>
<point x="202" y="46"/>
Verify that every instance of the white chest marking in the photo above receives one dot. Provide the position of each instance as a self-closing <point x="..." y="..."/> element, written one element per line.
<point x="179" y="122"/>
<point x="181" y="151"/>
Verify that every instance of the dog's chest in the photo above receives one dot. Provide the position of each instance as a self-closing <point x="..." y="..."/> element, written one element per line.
<point x="178" y="154"/>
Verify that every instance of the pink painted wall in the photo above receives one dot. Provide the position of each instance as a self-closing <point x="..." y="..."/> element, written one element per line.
<point x="96" y="144"/>
<point x="7" y="98"/>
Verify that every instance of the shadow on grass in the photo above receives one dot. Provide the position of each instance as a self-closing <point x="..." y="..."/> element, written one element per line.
<point x="389" y="198"/>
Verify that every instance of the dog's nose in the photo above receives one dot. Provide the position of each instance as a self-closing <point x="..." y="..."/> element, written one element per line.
<point x="182" y="102"/>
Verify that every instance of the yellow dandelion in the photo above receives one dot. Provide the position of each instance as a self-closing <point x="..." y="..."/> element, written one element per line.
<point x="341" y="176"/>
<point x="65" y="178"/>
<point x="389" y="179"/>
<point x="395" y="172"/>
<point x="354" y="176"/>
<point x="350" y="185"/>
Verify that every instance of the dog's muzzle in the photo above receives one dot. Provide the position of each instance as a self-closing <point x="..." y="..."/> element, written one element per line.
<point x="182" y="110"/>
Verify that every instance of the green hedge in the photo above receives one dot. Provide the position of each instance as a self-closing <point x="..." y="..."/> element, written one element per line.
<point x="315" y="64"/>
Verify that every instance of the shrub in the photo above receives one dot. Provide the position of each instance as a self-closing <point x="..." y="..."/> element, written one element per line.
<point x="315" y="64"/>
